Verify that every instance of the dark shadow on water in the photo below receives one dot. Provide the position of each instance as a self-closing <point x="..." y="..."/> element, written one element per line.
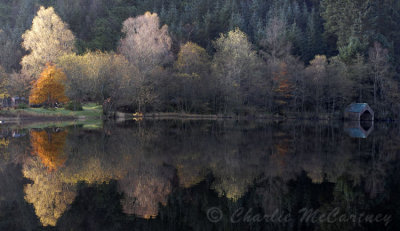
<point x="98" y="207"/>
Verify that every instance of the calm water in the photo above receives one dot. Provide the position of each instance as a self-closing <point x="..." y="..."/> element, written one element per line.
<point x="200" y="175"/>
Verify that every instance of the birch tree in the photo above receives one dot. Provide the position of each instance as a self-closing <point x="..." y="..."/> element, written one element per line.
<point x="48" y="39"/>
<point x="145" y="44"/>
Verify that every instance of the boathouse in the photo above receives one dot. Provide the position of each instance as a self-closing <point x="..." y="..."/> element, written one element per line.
<point x="359" y="112"/>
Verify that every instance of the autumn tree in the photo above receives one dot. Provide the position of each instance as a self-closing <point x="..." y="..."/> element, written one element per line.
<point x="99" y="76"/>
<point x="48" y="39"/>
<point x="193" y="79"/>
<point x="49" y="88"/>
<point x="282" y="69"/>
<point x="282" y="87"/>
<point x="147" y="47"/>
<point x="317" y="74"/>
<point x="234" y="66"/>
<point x="145" y="44"/>
<point x="77" y="85"/>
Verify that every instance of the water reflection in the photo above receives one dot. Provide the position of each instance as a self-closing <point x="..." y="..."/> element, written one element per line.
<point x="172" y="172"/>
<point x="49" y="146"/>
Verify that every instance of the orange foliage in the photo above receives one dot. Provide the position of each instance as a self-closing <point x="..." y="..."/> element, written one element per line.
<point x="283" y="87"/>
<point x="49" y="88"/>
<point x="49" y="147"/>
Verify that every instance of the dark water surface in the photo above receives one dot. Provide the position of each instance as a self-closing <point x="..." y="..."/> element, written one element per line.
<point x="201" y="175"/>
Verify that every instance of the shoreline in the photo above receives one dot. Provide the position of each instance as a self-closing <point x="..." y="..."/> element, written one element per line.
<point x="29" y="117"/>
<point x="190" y="116"/>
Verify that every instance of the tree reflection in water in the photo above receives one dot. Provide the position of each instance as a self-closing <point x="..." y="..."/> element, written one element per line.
<point x="172" y="172"/>
<point x="49" y="146"/>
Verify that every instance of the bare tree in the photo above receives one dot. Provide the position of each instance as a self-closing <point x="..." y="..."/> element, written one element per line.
<point x="19" y="84"/>
<point x="379" y="64"/>
<point x="274" y="42"/>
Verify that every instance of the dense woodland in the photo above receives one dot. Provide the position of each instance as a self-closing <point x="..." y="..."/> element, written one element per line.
<point x="245" y="57"/>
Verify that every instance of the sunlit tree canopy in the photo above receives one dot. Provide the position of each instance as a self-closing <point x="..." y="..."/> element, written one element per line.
<point x="49" y="88"/>
<point x="48" y="39"/>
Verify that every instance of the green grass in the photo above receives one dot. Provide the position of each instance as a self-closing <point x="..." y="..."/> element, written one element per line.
<point x="90" y="110"/>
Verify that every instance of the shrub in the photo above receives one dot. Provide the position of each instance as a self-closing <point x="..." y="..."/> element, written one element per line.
<point x="22" y="106"/>
<point x="73" y="106"/>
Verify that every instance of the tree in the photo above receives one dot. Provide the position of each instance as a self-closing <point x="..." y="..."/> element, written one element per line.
<point x="146" y="45"/>
<point x="317" y="72"/>
<point x="379" y="64"/>
<point x="234" y="66"/>
<point x="193" y="67"/>
<point x="19" y="84"/>
<point x="100" y="77"/>
<point x="349" y="53"/>
<point x="77" y="85"/>
<point x="3" y="82"/>
<point x="282" y="68"/>
<point x="192" y="60"/>
<point x="48" y="39"/>
<point x="346" y="19"/>
<point x="314" y="42"/>
<point x="282" y="85"/>
<point x="49" y="88"/>
<point x="357" y="73"/>
<point x="385" y="88"/>
<point x="275" y="43"/>
<point x="97" y="24"/>
<point x="11" y="53"/>
<point x="338" y="85"/>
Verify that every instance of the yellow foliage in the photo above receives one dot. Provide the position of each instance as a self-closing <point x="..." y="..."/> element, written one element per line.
<point x="192" y="61"/>
<point x="4" y="142"/>
<point x="49" y="88"/>
<point x="3" y="83"/>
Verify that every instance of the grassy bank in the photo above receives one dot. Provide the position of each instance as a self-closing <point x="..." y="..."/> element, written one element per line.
<point x="90" y="111"/>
